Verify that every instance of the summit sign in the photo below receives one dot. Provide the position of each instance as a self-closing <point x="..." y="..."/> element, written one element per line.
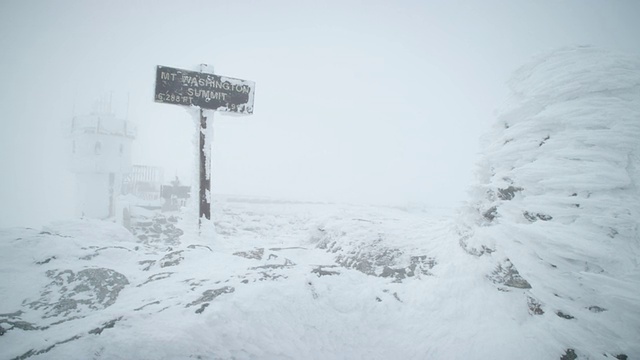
<point x="206" y="91"/>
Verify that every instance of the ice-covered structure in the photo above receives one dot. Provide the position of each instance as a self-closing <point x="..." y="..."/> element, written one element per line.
<point x="557" y="205"/>
<point x="100" y="157"/>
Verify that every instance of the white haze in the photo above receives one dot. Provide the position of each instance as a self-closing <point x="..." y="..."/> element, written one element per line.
<point x="358" y="101"/>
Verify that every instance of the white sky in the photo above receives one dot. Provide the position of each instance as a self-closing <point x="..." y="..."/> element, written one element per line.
<point x="356" y="101"/>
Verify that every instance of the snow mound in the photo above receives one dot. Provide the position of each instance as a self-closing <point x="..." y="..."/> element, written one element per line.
<point x="557" y="205"/>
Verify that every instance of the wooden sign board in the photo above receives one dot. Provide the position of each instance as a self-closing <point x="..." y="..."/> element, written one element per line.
<point x="207" y="91"/>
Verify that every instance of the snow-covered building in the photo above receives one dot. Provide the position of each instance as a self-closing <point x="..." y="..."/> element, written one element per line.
<point x="101" y="157"/>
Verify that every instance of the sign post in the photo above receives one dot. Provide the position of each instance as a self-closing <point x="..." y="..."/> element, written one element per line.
<point x="205" y="172"/>
<point x="205" y="91"/>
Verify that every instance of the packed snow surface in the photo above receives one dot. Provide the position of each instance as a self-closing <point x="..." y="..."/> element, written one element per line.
<point x="541" y="263"/>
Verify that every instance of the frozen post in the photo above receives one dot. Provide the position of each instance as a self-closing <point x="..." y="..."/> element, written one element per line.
<point x="205" y="161"/>
<point x="205" y="171"/>
<point x="204" y="90"/>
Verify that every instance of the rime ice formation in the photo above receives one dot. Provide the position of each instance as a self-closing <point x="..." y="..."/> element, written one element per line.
<point x="557" y="205"/>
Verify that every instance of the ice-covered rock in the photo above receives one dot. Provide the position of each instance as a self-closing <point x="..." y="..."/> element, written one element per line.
<point x="558" y="194"/>
<point x="373" y="248"/>
<point x="70" y="292"/>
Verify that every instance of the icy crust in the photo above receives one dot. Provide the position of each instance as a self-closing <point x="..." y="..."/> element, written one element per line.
<point x="558" y="198"/>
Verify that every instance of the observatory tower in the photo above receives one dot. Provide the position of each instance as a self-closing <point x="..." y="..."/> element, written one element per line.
<point x="101" y="156"/>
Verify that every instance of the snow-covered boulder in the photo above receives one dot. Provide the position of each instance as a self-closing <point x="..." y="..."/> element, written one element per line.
<point x="557" y="204"/>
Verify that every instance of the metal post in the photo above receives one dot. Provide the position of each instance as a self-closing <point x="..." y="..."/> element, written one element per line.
<point x="205" y="176"/>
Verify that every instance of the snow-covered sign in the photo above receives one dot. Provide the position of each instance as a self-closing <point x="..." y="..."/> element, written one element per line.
<point x="207" y="91"/>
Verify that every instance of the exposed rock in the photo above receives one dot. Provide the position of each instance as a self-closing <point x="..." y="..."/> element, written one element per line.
<point x="287" y="264"/>
<point x="267" y="272"/>
<point x="544" y="140"/>
<point x="491" y="214"/>
<point x="45" y="261"/>
<point x="269" y="275"/>
<point x="97" y="251"/>
<point x="483" y="249"/>
<point x="596" y="309"/>
<point x="421" y="264"/>
<point x="18" y="324"/>
<point x="210" y="295"/>
<point x="395" y="294"/>
<point x="533" y="217"/>
<point x="507" y="274"/>
<point x="570" y="354"/>
<point x="32" y="352"/>
<point x="256" y="253"/>
<point x="108" y="325"/>
<point x="288" y="248"/>
<point x="156" y="277"/>
<point x="145" y="305"/>
<point x="194" y="284"/>
<point x="564" y="316"/>
<point x="509" y="192"/>
<point x="147" y="264"/>
<point x="321" y="272"/>
<point x="314" y="292"/>
<point x="172" y="259"/>
<point x="70" y="292"/>
<point x="373" y="258"/>
<point x="53" y="234"/>
<point x="160" y="230"/>
<point x="202" y="307"/>
<point x="193" y="246"/>
<point x="535" y="308"/>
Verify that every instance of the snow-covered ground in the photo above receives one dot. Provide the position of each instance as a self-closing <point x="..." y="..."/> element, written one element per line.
<point x="542" y="263"/>
<point x="282" y="280"/>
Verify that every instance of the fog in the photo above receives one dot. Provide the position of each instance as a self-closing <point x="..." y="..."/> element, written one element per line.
<point x="358" y="101"/>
